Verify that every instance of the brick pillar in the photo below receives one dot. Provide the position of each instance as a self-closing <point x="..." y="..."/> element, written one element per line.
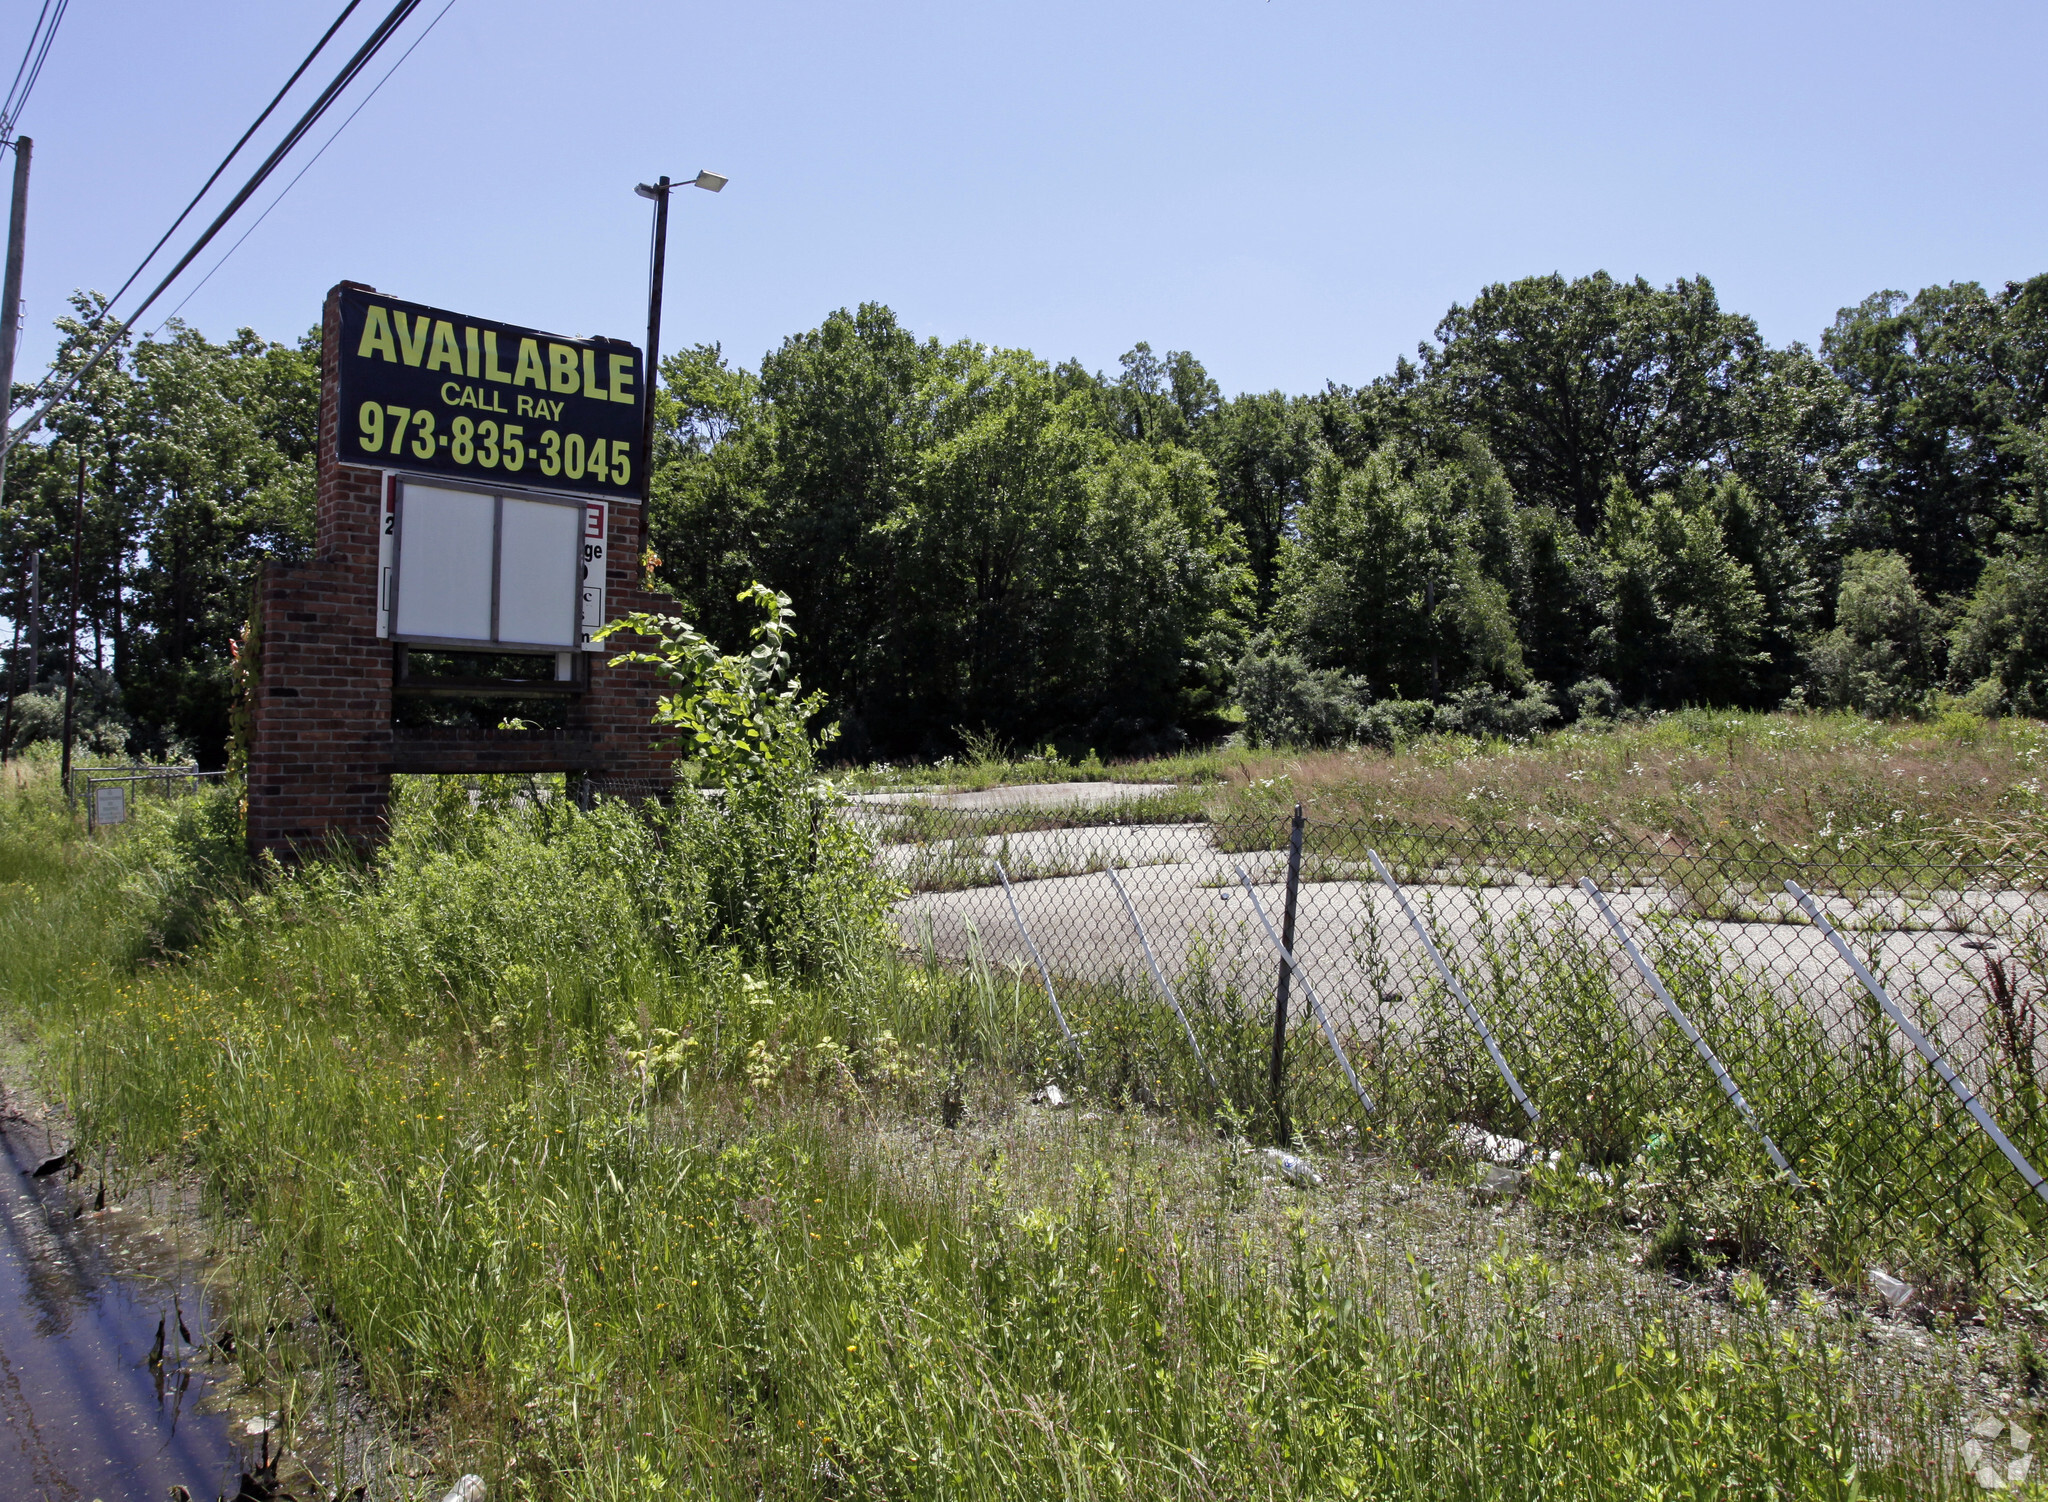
<point x="320" y="744"/>
<point x="620" y="700"/>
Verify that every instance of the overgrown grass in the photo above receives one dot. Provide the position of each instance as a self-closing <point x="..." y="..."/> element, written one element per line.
<point x="921" y="822"/>
<point x="999" y="768"/>
<point x="1831" y="787"/>
<point x="627" y="1213"/>
<point x="1892" y="1170"/>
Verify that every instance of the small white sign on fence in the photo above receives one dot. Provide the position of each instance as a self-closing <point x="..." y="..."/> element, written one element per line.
<point x="110" y="804"/>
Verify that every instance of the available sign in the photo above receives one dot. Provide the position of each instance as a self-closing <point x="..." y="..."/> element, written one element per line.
<point x="433" y="392"/>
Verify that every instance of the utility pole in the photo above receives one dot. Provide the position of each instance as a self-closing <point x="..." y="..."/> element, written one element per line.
<point x="10" y="329"/>
<point x="71" y="649"/>
<point x="10" y="291"/>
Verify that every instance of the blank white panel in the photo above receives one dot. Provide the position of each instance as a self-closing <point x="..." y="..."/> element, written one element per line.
<point x="540" y="556"/>
<point x="444" y="564"/>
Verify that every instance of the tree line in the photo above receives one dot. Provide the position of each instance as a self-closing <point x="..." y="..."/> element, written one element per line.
<point x="197" y="462"/>
<point x="1581" y="496"/>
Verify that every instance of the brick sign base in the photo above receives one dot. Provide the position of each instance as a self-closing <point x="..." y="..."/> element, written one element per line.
<point x="323" y="748"/>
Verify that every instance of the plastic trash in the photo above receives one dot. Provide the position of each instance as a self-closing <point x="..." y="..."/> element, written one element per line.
<point x="1294" y="1170"/>
<point x="1497" y="1184"/>
<point x="1486" y="1147"/>
<point x="1477" y="1142"/>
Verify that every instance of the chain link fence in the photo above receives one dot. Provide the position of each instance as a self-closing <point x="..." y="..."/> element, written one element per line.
<point x="109" y="793"/>
<point x="1833" y="1055"/>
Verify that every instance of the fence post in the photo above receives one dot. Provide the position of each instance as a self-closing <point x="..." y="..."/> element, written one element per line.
<point x="1039" y="960"/>
<point x="1280" y="987"/>
<point x="1287" y="958"/>
<point x="1454" y="986"/>
<point x="1685" y="1024"/>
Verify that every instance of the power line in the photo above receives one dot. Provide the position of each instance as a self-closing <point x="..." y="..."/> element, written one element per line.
<point x="326" y="37"/>
<point x="35" y="35"/>
<point x="370" y="48"/>
<point x="305" y="169"/>
<point x="31" y="67"/>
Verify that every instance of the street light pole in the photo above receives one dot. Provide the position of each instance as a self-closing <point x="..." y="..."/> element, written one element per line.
<point x="652" y="378"/>
<point x="658" y="190"/>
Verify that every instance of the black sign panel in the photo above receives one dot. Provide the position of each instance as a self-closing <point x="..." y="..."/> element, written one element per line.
<point x="435" y="392"/>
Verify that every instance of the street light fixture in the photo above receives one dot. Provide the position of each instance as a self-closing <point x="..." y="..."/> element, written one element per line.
<point x="658" y="191"/>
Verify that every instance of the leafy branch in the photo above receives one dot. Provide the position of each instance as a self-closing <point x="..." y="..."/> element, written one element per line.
<point x="738" y="714"/>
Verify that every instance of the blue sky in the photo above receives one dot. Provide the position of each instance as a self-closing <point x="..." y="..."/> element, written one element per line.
<point x="1295" y="191"/>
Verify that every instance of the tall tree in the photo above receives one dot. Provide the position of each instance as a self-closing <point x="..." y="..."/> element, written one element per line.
<point x="1264" y="448"/>
<point x="1685" y="621"/>
<point x="1948" y="376"/>
<point x="977" y="541"/>
<point x="1403" y="576"/>
<point x="1575" y="384"/>
<point x="850" y="403"/>
<point x="1160" y="401"/>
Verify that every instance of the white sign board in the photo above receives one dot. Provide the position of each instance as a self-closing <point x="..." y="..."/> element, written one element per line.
<point x="476" y="568"/>
<point x="540" y="572"/>
<point x="110" y="804"/>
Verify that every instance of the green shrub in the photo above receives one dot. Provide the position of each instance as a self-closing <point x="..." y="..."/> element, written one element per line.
<point x="98" y="725"/>
<point x="2001" y="642"/>
<point x="1392" y="723"/>
<point x="1595" y="699"/>
<point x="1288" y="703"/>
<point x="760" y="860"/>
<point x="1484" y="711"/>
<point x="1878" y="659"/>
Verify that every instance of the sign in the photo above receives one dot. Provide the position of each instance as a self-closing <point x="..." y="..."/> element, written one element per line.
<point x="466" y="566"/>
<point x="590" y="570"/>
<point x="433" y="392"/>
<point x="594" y="520"/>
<point x="109" y="804"/>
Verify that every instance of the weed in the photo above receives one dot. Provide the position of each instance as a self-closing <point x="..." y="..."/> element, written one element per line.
<point x="637" y="1216"/>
